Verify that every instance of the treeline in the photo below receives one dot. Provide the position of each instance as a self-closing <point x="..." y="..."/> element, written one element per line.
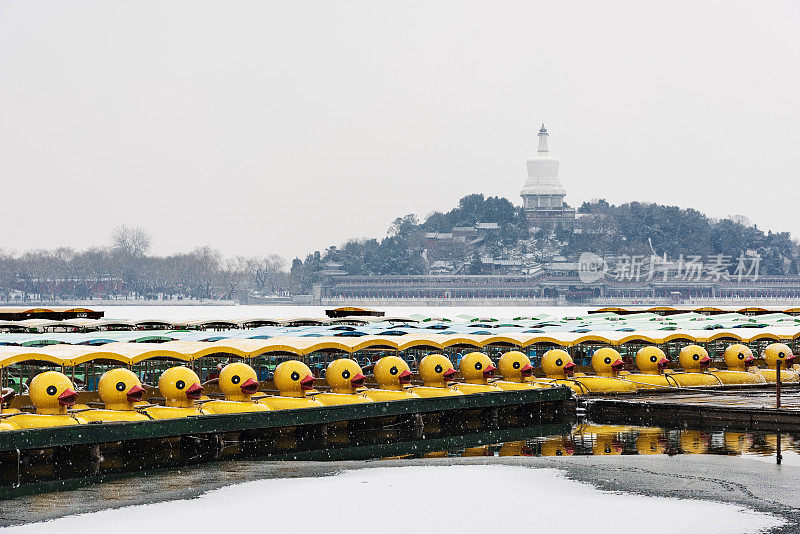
<point x="402" y="251"/>
<point x="124" y="268"/>
<point x="632" y="228"/>
<point x="640" y="228"/>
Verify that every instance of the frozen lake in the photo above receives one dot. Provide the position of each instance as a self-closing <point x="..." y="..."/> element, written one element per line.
<point x="467" y="498"/>
<point x="281" y="312"/>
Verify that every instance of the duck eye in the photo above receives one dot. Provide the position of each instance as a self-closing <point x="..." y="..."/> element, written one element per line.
<point x="653" y="359"/>
<point x="515" y="365"/>
<point x="780" y="355"/>
<point x="741" y="356"/>
<point x="345" y="374"/>
<point x="120" y="386"/>
<point x="51" y="390"/>
<point x="295" y="375"/>
<point x="393" y="371"/>
<point x="180" y="384"/>
<point x="236" y="379"/>
<point x="559" y="362"/>
<point x="478" y="366"/>
<point x="696" y="357"/>
<point x="438" y="369"/>
<point x="607" y="360"/>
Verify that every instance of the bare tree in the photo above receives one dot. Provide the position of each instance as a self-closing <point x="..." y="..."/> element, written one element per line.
<point x="232" y="275"/>
<point x="134" y="241"/>
<point x="267" y="273"/>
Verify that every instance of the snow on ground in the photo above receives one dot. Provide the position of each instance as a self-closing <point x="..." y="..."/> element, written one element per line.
<point x="466" y="499"/>
<point x="181" y="313"/>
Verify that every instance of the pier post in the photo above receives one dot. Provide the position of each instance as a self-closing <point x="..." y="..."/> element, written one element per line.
<point x="778" y="384"/>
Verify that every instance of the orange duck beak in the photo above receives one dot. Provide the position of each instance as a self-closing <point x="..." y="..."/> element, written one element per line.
<point x="750" y="360"/>
<point x="662" y="364"/>
<point x="449" y="374"/>
<point x="307" y="383"/>
<point x="489" y="371"/>
<point x="249" y="386"/>
<point x="527" y="370"/>
<point x="67" y="398"/>
<point x="135" y="394"/>
<point x="617" y="365"/>
<point x="705" y="362"/>
<point x="195" y="391"/>
<point x="358" y="380"/>
<point x="404" y="377"/>
<point x="569" y="368"/>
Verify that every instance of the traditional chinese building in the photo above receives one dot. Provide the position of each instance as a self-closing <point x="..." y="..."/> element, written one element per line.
<point x="543" y="195"/>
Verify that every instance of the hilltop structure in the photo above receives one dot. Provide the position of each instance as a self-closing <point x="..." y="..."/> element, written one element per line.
<point x="543" y="195"/>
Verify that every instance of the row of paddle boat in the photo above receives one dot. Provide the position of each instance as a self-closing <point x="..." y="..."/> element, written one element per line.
<point x="653" y="372"/>
<point x="54" y="397"/>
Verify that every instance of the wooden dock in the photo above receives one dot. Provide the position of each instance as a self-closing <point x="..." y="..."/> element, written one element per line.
<point x="39" y="458"/>
<point x="744" y="409"/>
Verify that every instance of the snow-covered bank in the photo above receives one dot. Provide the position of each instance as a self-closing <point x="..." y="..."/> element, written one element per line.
<point x="473" y="498"/>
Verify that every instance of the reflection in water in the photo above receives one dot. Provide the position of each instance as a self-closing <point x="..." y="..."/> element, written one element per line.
<point x="182" y="480"/>
<point x="598" y="440"/>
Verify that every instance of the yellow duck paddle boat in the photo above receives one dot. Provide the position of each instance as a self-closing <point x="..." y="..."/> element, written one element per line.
<point x="739" y="359"/>
<point x="651" y="362"/>
<point x="393" y="376"/>
<point x="476" y="368"/>
<point x="558" y="370"/>
<point x="238" y="381"/>
<point x="773" y="353"/>
<point x="345" y="378"/>
<point x="695" y="362"/>
<point x="437" y="373"/>
<point x="52" y="393"/>
<point x="607" y="363"/>
<point x="120" y="390"/>
<point x="294" y="382"/>
<point x="516" y="369"/>
<point x="5" y="397"/>
<point x="180" y="387"/>
<point x="5" y="425"/>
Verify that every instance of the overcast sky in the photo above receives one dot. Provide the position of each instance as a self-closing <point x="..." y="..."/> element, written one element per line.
<point x="283" y="127"/>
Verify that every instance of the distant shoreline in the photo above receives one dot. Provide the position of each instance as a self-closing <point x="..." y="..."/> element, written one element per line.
<point x="390" y="303"/>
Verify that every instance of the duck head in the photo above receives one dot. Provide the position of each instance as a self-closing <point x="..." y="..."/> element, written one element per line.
<point x="694" y="359"/>
<point x="344" y="376"/>
<point x="476" y="368"/>
<point x="52" y="393"/>
<point x="180" y="387"/>
<point x="120" y="389"/>
<point x="557" y="364"/>
<point x="238" y="381"/>
<point x="607" y="362"/>
<point x="436" y="371"/>
<point x="651" y="360"/>
<point x="738" y="357"/>
<point x="778" y="351"/>
<point x="392" y="372"/>
<point x="293" y="379"/>
<point x="515" y="366"/>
